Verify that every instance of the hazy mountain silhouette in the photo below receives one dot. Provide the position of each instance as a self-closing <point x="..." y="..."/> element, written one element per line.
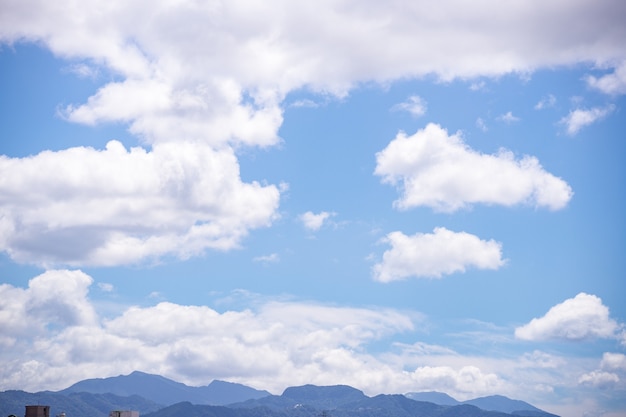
<point x="345" y="401"/>
<point x="165" y="391"/>
<point x="507" y="405"/>
<point x="498" y="403"/>
<point x="156" y="396"/>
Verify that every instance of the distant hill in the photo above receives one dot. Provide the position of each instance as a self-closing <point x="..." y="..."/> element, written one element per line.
<point x="345" y="401"/>
<point x="165" y="391"/>
<point x="156" y="396"/>
<point x="433" y="397"/>
<point x="498" y="403"/>
<point x="507" y="405"/>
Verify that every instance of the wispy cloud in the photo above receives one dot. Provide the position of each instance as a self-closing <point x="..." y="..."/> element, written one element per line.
<point x="480" y="123"/>
<point x="106" y="287"/>
<point x="508" y="118"/>
<point x="579" y="118"/>
<point x="546" y="102"/>
<point x="415" y="105"/>
<point x="267" y="259"/>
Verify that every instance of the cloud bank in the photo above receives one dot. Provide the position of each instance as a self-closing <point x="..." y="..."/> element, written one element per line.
<point x="440" y="171"/>
<point x="52" y="336"/>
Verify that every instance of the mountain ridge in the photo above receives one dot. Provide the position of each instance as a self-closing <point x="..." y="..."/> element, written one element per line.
<point x="157" y="396"/>
<point x="166" y="391"/>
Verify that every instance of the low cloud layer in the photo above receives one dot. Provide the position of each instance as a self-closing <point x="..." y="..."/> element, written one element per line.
<point x="52" y="336"/>
<point x="431" y="255"/>
<point x="437" y="170"/>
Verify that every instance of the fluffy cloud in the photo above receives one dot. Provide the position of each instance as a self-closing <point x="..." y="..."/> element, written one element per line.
<point x="579" y="318"/>
<point x="51" y="337"/>
<point x="119" y="206"/>
<point x="598" y="379"/>
<point x="613" y="361"/>
<point x="54" y="298"/>
<point x="438" y="170"/>
<point x="314" y="222"/>
<point x="182" y="72"/>
<point x="50" y="329"/>
<point x="415" y="105"/>
<point x="435" y="254"/>
<point x="614" y="83"/>
<point x="579" y="118"/>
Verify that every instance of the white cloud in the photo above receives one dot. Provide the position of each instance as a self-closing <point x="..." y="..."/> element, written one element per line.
<point x="440" y="171"/>
<point x="598" y="379"/>
<point x="105" y="286"/>
<point x="508" y="118"/>
<point x="54" y="298"/>
<point x="579" y="118"/>
<point x="548" y="101"/>
<point x="477" y="86"/>
<point x="119" y="206"/>
<point x="267" y="259"/>
<point x="415" y="105"/>
<point x="464" y="380"/>
<point x="613" y="361"/>
<point x="613" y="84"/>
<point x="269" y="345"/>
<point x="314" y="222"/>
<point x="183" y="73"/>
<point x="432" y="255"/>
<point x="579" y="318"/>
<point x="55" y="334"/>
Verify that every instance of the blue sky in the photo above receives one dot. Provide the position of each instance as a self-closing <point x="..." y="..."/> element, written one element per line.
<point x="396" y="197"/>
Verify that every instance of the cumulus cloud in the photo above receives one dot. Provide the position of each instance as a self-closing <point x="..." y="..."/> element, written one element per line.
<point x="117" y="206"/>
<point x="182" y="74"/>
<point x="50" y="329"/>
<point x="438" y="170"/>
<point x="613" y="361"/>
<point x="599" y="379"/>
<point x="613" y="84"/>
<point x="415" y="105"/>
<point x="579" y="118"/>
<point x="271" y="344"/>
<point x="54" y="298"/>
<point x="314" y="222"/>
<point x="435" y="254"/>
<point x="580" y="318"/>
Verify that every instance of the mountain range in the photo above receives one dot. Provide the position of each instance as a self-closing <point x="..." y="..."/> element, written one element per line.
<point x="156" y="396"/>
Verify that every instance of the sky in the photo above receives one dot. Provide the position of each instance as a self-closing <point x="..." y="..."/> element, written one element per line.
<point x="399" y="196"/>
